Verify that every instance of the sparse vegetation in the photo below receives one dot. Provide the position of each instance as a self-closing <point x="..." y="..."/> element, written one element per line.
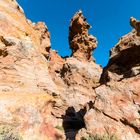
<point x="8" y="132"/>
<point x="103" y="137"/>
<point x="59" y="128"/>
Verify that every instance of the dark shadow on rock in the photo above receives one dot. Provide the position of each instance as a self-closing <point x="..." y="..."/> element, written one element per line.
<point x="73" y="121"/>
<point x="126" y="64"/>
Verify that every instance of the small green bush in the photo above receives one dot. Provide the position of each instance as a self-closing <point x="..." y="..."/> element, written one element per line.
<point x="8" y="132"/>
<point x="59" y="128"/>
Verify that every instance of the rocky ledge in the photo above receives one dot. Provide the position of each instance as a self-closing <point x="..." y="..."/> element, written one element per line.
<point x="46" y="97"/>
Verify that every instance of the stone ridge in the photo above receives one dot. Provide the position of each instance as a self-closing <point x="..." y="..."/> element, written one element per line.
<point x="46" y="97"/>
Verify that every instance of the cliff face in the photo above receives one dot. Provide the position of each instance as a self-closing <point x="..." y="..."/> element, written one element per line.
<point x="25" y="82"/>
<point x="46" y="97"/>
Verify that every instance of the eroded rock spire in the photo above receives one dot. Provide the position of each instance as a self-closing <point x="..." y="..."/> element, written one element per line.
<point x="135" y="24"/>
<point x="81" y="42"/>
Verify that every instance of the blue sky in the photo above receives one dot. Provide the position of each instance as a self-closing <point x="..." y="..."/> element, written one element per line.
<point x="109" y="20"/>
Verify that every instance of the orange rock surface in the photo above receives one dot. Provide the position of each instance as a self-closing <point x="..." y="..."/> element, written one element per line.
<point x="46" y="97"/>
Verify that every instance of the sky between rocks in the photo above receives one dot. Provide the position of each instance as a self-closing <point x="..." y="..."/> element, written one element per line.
<point x="109" y="20"/>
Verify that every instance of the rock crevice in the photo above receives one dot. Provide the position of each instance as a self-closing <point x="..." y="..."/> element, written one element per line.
<point x="47" y="97"/>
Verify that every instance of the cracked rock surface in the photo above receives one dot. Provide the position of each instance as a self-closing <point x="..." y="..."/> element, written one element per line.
<point x="46" y="97"/>
<point x="81" y="42"/>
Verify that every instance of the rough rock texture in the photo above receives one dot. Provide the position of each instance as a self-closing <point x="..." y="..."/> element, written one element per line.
<point x="116" y="110"/>
<point x="25" y="82"/>
<point x="117" y="98"/>
<point x="29" y="114"/>
<point x="44" y="37"/>
<point x="81" y="43"/>
<point x="124" y="59"/>
<point x="46" y="97"/>
<point x="135" y="24"/>
<point x="22" y="65"/>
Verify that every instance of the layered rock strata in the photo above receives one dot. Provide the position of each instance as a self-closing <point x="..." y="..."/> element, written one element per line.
<point x="46" y="97"/>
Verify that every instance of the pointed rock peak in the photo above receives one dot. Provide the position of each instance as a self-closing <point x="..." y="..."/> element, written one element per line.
<point x="44" y="36"/>
<point x="135" y="24"/>
<point x="81" y="42"/>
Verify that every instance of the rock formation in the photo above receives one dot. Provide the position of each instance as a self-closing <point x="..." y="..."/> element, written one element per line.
<point x="129" y="64"/>
<point x="135" y="24"/>
<point x="25" y="83"/>
<point x="46" y="97"/>
<point x="81" y="43"/>
<point x="44" y="34"/>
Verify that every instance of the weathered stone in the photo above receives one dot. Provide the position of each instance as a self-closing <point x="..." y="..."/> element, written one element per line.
<point x="135" y="24"/>
<point x="81" y="43"/>
<point x="44" y="96"/>
<point x="124" y="59"/>
<point x="45" y="44"/>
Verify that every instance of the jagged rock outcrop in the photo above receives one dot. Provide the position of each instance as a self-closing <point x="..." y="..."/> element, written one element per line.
<point x="21" y="61"/>
<point x="124" y="58"/>
<point x="81" y="43"/>
<point x="44" y="96"/>
<point x="135" y="24"/>
<point x="77" y="76"/>
<point x="24" y="76"/>
<point x="116" y="107"/>
<point x="44" y="35"/>
<point x="116" y="110"/>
